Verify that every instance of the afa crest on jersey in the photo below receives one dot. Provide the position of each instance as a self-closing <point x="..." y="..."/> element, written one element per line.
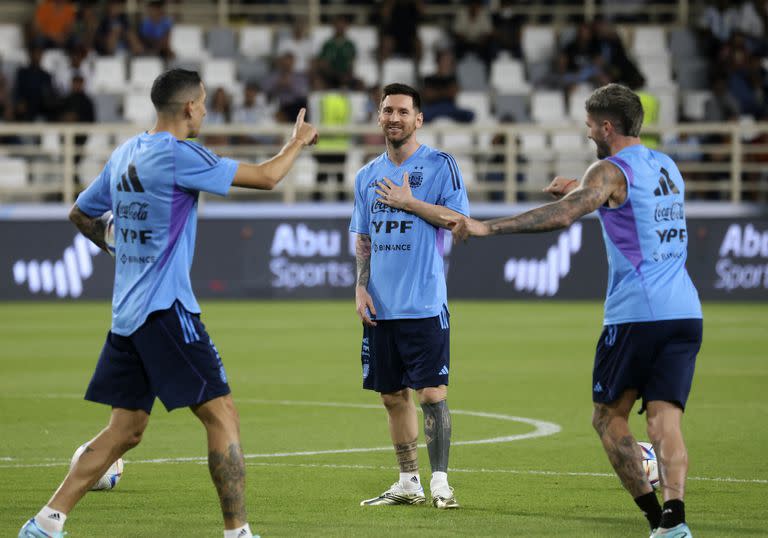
<point x="416" y="177"/>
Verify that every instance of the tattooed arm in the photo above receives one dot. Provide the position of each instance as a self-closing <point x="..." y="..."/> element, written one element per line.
<point x="363" y="300"/>
<point x="92" y="228"/>
<point x="602" y="182"/>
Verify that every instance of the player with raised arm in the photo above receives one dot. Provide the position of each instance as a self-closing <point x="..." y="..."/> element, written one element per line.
<point x="403" y="200"/>
<point x="653" y="321"/>
<point x="157" y="345"/>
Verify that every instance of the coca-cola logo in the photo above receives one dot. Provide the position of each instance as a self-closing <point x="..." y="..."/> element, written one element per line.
<point x="669" y="212"/>
<point x="132" y="211"/>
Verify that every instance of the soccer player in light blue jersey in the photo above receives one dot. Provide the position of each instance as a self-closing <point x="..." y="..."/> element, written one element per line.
<point x="157" y="346"/>
<point x="402" y="200"/>
<point x="653" y="321"/>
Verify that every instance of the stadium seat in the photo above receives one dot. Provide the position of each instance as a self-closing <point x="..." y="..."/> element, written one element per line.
<point x="138" y="109"/>
<point x="538" y="43"/>
<point x="187" y="42"/>
<point x="692" y="74"/>
<point x="451" y="140"/>
<point x="427" y="64"/>
<point x="354" y="162"/>
<point x="303" y="173"/>
<point x="54" y="60"/>
<point x="508" y="77"/>
<point x="682" y="44"/>
<point x="668" y="109"/>
<point x="472" y="74"/>
<point x="14" y="173"/>
<point x="534" y="144"/>
<point x="427" y="136"/>
<point x="358" y="104"/>
<point x="569" y="144"/>
<point x="572" y="166"/>
<point x="398" y="70"/>
<point x="107" y="107"/>
<point x="467" y="168"/>
<point x="366" y="40"/>
<point x="367" y="71"/>
<point x="89" y="168"/>
<point x="548" y="107"/>
<point x="256" y="41"/>
<point x="12" y="43"/>
<point x="656" y="70"/>
<point x="109" y="74"/>
<point x="320" y="34"/>
<point x="576" y="100"/>
<point x="431" y="37"/>
<point x="511" y="107"/>
<point x="221" y="42"/>
<point x="694" y="104"/>
<point x="478" y="102"/>
<point x="220" y="72"/>
<point x="144" y="71"/>
<point x="252" y="69"/>
<point x="649" y="41"/>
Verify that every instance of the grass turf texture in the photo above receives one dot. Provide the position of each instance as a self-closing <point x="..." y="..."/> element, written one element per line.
<point x="526" y="359"/>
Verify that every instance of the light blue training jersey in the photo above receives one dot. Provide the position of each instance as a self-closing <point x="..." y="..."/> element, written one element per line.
<point x="407" y="277"/>
<point x="646" y="240"/>
<point x="151" y="184"/>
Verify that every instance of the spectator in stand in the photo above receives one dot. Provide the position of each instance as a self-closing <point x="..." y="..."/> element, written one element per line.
<point x="53" y="23"/>
<point x="78" y="65"/>
<point x="299" y="44"/>
<point x="256" y="111"/>
<point x="722" y="106"/>
<point x="752" y="21"/>
<point x="744" y="75"/>
<point x="507" y="25"/>
<point x="473" y="30"/>
<point x="86" y="24"/>
<point x="399" y="22"/>
<point x="115" y="35"/>
<point x="614" y="62"/>
<point x="77" y="107"/>
<point x="6" y="109"/>
<point x="155" y="30"/>
<point x="285" y="87"/>
<point x="716" y="24"/>
<point x="34" y="95"/>
<point x="583" y="54"/>
<point x="218" y="113"/>
<point x="337" y="56"/>
<point x="440" y="90"/>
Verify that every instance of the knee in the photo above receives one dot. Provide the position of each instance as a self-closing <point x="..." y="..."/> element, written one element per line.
<point x="655" y="429"/>
<point x="394" y="400"/>
<point x="600" y="419"/>
<point x="432" y="395"/>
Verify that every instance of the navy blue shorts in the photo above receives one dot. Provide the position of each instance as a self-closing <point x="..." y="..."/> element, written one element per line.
<point x="655" y="357"/>
<point x="403" y="353"/>
<point x="170" y="357"/>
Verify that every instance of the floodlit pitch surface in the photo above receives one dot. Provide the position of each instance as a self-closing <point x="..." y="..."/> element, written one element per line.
<point x="317" y="444"/>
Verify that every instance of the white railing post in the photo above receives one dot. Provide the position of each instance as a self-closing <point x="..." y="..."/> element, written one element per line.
<point x="510" y="166"/>
<point x="736" y="156"/>
<point x="69" y="164"/>
<point x="223" y="12"/>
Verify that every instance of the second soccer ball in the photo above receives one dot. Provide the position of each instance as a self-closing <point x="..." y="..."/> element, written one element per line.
<point x="110" y="478"/>
<point x="650" y="464"/>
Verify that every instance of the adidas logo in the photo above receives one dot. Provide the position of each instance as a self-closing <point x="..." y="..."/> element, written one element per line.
<point x="133" y="177"/>
<point x="55" y="516"/>
<point x="666" y="185"/>
<point x="414" y="479"/>
<point x="543" y="276"/>
<point x="443" y="371"/>
<point x="242" y="533"/>
<point x="598" y="387"/>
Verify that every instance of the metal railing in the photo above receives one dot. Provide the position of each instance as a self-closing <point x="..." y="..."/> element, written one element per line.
<point x="503" y="163"/>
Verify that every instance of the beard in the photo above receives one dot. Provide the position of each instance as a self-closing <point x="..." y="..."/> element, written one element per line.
<point x="399" y="140"/>
<point x="603" y="150"/>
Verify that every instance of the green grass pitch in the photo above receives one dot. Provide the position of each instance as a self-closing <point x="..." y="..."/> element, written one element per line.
<point x="295" y="373"/>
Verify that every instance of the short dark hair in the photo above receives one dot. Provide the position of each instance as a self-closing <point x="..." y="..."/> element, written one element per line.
<point x="618" y="104"/>
<point x="168" y="87"/>
<point x="402" y="89"/>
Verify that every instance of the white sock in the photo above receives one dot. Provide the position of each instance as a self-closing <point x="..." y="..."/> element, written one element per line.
<point x="438" y="478"/>
<point x="50" y="520"/>
<point x="410" y="481"/>
<point x="240" y="532"/>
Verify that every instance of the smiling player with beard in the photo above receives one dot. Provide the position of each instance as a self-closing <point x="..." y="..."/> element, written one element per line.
<point x="403" y="200"/>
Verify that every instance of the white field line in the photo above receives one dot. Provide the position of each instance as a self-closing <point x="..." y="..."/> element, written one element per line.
<point x="542" y="429"/>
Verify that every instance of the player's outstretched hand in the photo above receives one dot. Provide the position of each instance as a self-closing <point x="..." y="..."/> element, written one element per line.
<point x="462" y="228"/>
<point x="394" y="195"/>
<point x="303" y="131"/>
<point x="561" y="186"/>
<point x="364" y="305"/>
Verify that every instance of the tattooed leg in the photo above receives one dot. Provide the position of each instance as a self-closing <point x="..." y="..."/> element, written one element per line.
<point x="437" y="432"/>
<point x="407" y="456"/>
<point x="403" y="428"/>
<point x="611" y="423"/>
<point x="664" y="430"/>
<point x="228" y="475"/>
<point x="225" y="457"/>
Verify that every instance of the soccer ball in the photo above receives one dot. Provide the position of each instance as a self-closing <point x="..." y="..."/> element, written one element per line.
<point x="109" y="233"/>
<point x="650" y="464"/>
<point x="110" y="478"/>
